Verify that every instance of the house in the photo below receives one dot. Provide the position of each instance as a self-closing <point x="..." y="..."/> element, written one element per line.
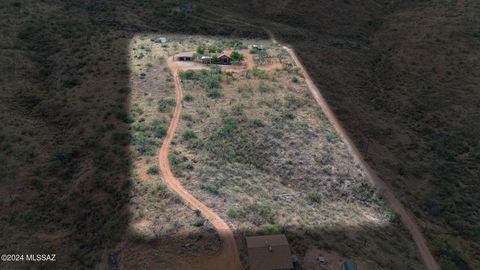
<point x="349" y="265"/>
<point x="224" y="59"/>
<point x="269" y="252"/>
<point x="185" y="56"/>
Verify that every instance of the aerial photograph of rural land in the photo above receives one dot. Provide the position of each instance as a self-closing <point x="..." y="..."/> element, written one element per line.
<point x="240" y="135"/>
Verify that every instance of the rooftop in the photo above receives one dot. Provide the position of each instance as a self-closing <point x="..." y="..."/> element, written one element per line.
<point x="184" y="54"/>
<point x="268" y="252"/>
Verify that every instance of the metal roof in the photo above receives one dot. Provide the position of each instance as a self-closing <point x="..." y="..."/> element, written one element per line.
<point x="184" y="54"/>
<point x="268" y="252"/>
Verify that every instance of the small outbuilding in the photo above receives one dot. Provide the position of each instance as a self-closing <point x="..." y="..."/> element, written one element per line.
<point x="162" y="39"/>
<point x="185" y="56"/>
<point x="224" y="59"/>
<point x="269" y="252"/>
<point x="206" y="59"/>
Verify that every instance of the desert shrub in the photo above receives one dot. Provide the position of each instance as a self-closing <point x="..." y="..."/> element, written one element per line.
<point x="269" y="229"/>
<point x="213" y="49"/>
<point x="295" y="79"/>
<point x="159" y="128"/>
<point x="154" y="169"/>
<point x="236" y="56"/>
<point x="124" y="117"/>
<point x="232" y="213"/>
<point x="449" y="254"/>
<point x="293" y="102"/>
<point x="313" y="197"/>
<point x="201" y="49"/>
<point x="188" y="134"/>
<point x="140" y="126"/>
<point x="188" y="97"/>
<point x="136" y="110"/>
<point x="257" y="122"/>
<point x="258" y="213"/>
<point x="289" y="115"/>
<point x="214" y="93"/>
<point x="209" y="79"/>
<point x="392" y="216"/>
<point x="144" y="144"/>
<point x="296" y="242"/>
<point x="174" y="159"/>
<point x="228" y="125"/>
<point x="263" y="87"/>
<point x="261" y="74"/>
<point x="165" y="104"/>
<point x="199" y="222"/>
<point x="187" y="75"/>
<point x="211" y="187"/>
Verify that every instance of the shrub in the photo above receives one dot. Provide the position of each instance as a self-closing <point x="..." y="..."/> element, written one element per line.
<point x="159" y="129"/>
<point x="261" y="74"/>
<point x="124" y="117"/>
<point x="392" y="216"/>
<point x="201" y="49"/>
<point x="188" y="134"/>
<point x="289" y="115"/>
<point x="313" y="197"/>
<point x="174" y="159"/>
<point x="449" y="254"/>
<point x="213" y="49"/>
<point x="199" y="222"/>
<point x="144" y="144"/>
<point x="258" y="213"/>
<point x="154" y="169"/>
<point x="187" y="75"/>
<point x="269" y="229"/>
<point x="257" y="122"/>
<point x="188" y="97"/>
<point x="214" y="93"/>
<point x="210" y="187"/>
<point x="164" y="104"/>
<point x="232" y="213"/>
<point x="236" y="56"/>
<point x="295" y="79"/>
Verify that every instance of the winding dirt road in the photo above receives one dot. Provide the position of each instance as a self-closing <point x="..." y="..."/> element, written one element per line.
<point x="381" y="186"/>
<point x="229" y="257"/>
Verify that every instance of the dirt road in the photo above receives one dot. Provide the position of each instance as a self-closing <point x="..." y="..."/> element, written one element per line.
<point x="229" y="257"/>
<point x="382" y="187"/>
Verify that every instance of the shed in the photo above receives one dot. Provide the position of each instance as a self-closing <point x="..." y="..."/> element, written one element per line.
<point x="349" y="265"/>
<point x="206" y="59"/>
<point x="185" y="56"/>
<point x="269" y="252"/>
<point x="224" y="59"/>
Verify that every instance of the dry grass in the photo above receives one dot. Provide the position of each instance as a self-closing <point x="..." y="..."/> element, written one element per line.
<point x="263" y="155"/>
